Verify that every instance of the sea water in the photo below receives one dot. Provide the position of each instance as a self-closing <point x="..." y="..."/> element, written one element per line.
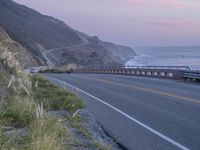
<point x="166" y="56"/>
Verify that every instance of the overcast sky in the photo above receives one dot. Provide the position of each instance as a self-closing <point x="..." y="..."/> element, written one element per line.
<point x="129" y="22"/>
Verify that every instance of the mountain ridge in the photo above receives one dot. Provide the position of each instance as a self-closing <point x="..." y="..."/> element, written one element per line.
<point x="39" y="33"/>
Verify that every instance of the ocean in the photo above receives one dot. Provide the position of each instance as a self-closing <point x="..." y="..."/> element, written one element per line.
<point x="166" y="56"/>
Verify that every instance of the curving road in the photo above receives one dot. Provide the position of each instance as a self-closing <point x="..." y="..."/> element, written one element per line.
<point x="45" y="53"/>
<point x="141" y="113"/>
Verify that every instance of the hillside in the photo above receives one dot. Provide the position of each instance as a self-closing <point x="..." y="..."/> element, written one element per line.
<point x="35" y="114"/>
<point x="39" y="34"/>
<point x="18" y="56"/>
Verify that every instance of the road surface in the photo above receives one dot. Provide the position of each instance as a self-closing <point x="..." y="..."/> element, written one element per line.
<point x="141" y="113"/>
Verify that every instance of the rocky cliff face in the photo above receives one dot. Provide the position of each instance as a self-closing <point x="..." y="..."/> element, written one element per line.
<point x="47" y="37"/>
<point x="15" y="53"/>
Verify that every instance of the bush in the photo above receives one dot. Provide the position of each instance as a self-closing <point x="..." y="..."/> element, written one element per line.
<point x="51" y="71"/>
<point x="55" y="71"/>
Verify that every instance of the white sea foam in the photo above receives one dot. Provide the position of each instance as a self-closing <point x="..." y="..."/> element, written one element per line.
<point x="167" y="56"/>
<point x="139" y="60"/>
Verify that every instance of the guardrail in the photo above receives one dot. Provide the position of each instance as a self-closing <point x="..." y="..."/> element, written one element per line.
<point x="160" y="67"/>
<point x="191" y="75"/>
<point x="173" y="72"/>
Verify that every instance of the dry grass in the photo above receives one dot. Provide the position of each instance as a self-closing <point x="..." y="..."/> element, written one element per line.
<point x="48" y="134"/>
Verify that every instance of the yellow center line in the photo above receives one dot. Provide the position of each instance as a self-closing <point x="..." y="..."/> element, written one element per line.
<point x="147" y="90"/>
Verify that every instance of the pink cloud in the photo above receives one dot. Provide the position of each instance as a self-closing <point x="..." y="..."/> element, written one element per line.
<point x="175" y="23"/>
<point x="159" y="3"/>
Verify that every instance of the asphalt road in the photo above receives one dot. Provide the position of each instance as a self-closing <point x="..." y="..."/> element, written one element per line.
<point x="141" y="113"/>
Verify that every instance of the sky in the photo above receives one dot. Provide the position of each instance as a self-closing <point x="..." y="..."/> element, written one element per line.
<point x="134" y="23"/>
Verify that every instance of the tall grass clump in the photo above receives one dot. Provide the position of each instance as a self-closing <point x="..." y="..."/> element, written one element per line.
<point x="48" y="134"/>
<point x="20" y="112"/>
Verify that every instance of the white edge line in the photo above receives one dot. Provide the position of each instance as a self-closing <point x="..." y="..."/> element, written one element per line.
<point x="126" y="115"/>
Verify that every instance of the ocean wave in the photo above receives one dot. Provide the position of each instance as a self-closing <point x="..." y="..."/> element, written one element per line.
<point x="167" y="57"/>
<point x="139" y="60"/>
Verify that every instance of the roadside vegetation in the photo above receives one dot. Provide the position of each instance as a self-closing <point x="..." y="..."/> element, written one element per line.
<point x="52" y="71"/>
<point x="25" y="122"/>
<point x="62" y="69"/>
<point x="37" y="115"/>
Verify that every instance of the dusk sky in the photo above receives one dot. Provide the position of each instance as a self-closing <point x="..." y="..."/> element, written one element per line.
<point x="129" y="22"/>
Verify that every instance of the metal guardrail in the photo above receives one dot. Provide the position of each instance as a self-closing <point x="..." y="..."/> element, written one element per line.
<point x="161" y="67"/>
<point x="191" y="75"/>
<point x="143" y="67"/>
<point x="173" y="72"/>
